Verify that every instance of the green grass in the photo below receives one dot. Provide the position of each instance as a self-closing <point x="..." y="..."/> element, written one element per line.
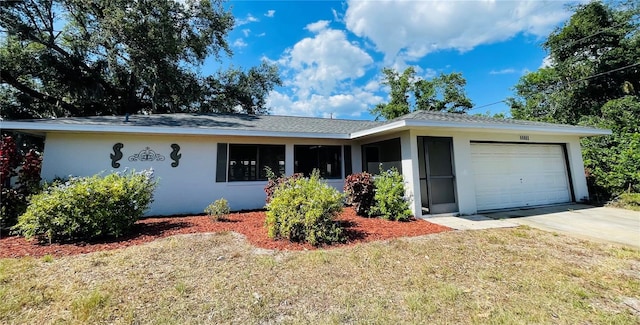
<point x="497" y="276"/>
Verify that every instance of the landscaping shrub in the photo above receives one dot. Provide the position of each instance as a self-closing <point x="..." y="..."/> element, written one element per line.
<point x="389" y="197"/>
<point x="629" y="201"/>
<point x="275" y="181"/>
<point x="13" y="197"/>
<point x="304" y="209"/>
<point x="88" y="207"/>
<point x="218" y="210"/>
<point x="359" y="191"/>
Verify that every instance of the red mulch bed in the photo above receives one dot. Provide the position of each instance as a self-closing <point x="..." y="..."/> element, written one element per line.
<point x="250" y="224"/>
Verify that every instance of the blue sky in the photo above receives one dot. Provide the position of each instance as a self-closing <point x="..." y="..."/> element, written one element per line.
<point x="331" y="53"/>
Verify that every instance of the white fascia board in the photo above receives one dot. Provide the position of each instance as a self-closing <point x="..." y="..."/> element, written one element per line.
<point x="470" y="126"/>
<point x="82" y="128"/>
<point x="393" y="126"/>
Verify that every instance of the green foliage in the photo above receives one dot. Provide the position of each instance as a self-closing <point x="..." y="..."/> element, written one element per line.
<point x="444" y="92"/>
<point x="630" y="201"/>
<point x="274" y="182"/>
<point x="389" y="197"/>
<point x="591" y="60"/>
<point x="13" y="197"/>
<point x="85" y="208"/>
<point x="121" y="56"/>
<point x="304" y="209"/>
<point x="359" y="190"/>
<point x="612" y="161"/>
<point x="593" y="79"/>
<point x="218" y="210"/>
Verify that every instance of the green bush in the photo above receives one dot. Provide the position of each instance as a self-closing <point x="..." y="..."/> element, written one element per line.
<point x="629" y="201"/>
<point x="389" y="198"/>
<point x="218" y="210"/>
<point x="84" y="208"/>
<point x="304" y="209"/>
<point x="274" y="182"/>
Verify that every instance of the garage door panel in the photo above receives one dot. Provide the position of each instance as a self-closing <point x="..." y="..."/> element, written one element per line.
<point x="514" y="175"/>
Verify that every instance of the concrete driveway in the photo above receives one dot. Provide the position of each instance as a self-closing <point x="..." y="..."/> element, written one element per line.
<point x="596" y="223"/>
<point x="600" y="223"/>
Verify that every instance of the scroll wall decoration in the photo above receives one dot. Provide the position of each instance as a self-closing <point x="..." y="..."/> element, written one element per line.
<point x="175" y="156"/>
<point x="146" y="154"/>
<point x="116" y="155"/>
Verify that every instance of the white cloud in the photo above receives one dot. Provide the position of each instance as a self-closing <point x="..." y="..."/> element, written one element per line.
<point x="239" y="43"/>
<point x="351" y="105"/>
<point x="503" y="71"/>
<point x="337" y="16"/>
<point x="319" y="73"/>
<point x="322" y="63"/>
<point x="249" y="19"/>
<point x="373" y="86"/>
<point x="546" y="62"/>
<point x="246" y="32"/>
<point x="317" y="26"/>
<point x="270" y="13"/>
<point x="409" y="30"/>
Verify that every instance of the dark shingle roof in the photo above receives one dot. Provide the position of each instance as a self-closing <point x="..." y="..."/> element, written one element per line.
<point x="475" y="119"/>
<point x="275" y="123"/>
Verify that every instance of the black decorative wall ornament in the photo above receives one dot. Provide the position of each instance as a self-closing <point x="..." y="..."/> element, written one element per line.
<point x="146" y="154"/>
<point x="175" y="156"/>
<point x="116" y="155"/>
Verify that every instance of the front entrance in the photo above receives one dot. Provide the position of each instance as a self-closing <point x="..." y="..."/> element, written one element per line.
<point x="437" y="179"/>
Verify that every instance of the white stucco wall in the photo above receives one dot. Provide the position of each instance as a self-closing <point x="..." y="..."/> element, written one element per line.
<point x="465" y="183"/>
<point x="186" y="189"/>
<point x="191" y="186"/>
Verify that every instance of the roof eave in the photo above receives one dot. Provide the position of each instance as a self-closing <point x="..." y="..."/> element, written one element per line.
<point x="488" y="127"/>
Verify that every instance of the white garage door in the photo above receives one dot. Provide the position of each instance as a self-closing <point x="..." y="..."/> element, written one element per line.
<point x="519" y="175"/>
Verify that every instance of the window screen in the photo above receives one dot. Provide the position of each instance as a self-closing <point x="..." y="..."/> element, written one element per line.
<point x="327" y="159"/>
<point x="248" y="161"/>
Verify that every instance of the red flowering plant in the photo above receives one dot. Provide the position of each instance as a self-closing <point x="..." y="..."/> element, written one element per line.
<point x="13" y="196"/>
<point x="9" y="160"/>
<point x="360" y="190"/>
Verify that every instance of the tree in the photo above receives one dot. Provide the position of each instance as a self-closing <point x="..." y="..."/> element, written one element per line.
<point x="80" y="58"/>
<point x="595" y="57"/>
<point x="593" y="79"/>
<point x="612" y="162"/>
<point x="409" y="93"/>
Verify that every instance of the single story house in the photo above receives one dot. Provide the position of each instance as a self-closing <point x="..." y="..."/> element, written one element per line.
<point x="452" y="163"/>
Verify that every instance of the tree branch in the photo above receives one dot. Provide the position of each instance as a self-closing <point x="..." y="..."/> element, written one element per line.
<point x="14" y="82"/>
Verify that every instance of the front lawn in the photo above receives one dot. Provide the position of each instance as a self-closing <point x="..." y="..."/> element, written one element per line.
<point x="516" y="275"/>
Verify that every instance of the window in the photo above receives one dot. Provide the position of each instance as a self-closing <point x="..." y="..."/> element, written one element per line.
<point x="327" y="159"/>
<point x="386" y="153"/>
<point x="247" y="161"/>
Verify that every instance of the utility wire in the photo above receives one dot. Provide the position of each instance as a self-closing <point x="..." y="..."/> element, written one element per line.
<point x="566" y="83"/>
<point x="592" y="35"/>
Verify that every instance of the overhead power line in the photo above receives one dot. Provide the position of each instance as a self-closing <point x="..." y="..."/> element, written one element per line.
<point x="566" y="83"/>
<point x="592" y="35"/>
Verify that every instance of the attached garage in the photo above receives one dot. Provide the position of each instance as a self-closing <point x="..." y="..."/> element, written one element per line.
<point x="511" y="175"/>
<point x="451" y="163"/>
